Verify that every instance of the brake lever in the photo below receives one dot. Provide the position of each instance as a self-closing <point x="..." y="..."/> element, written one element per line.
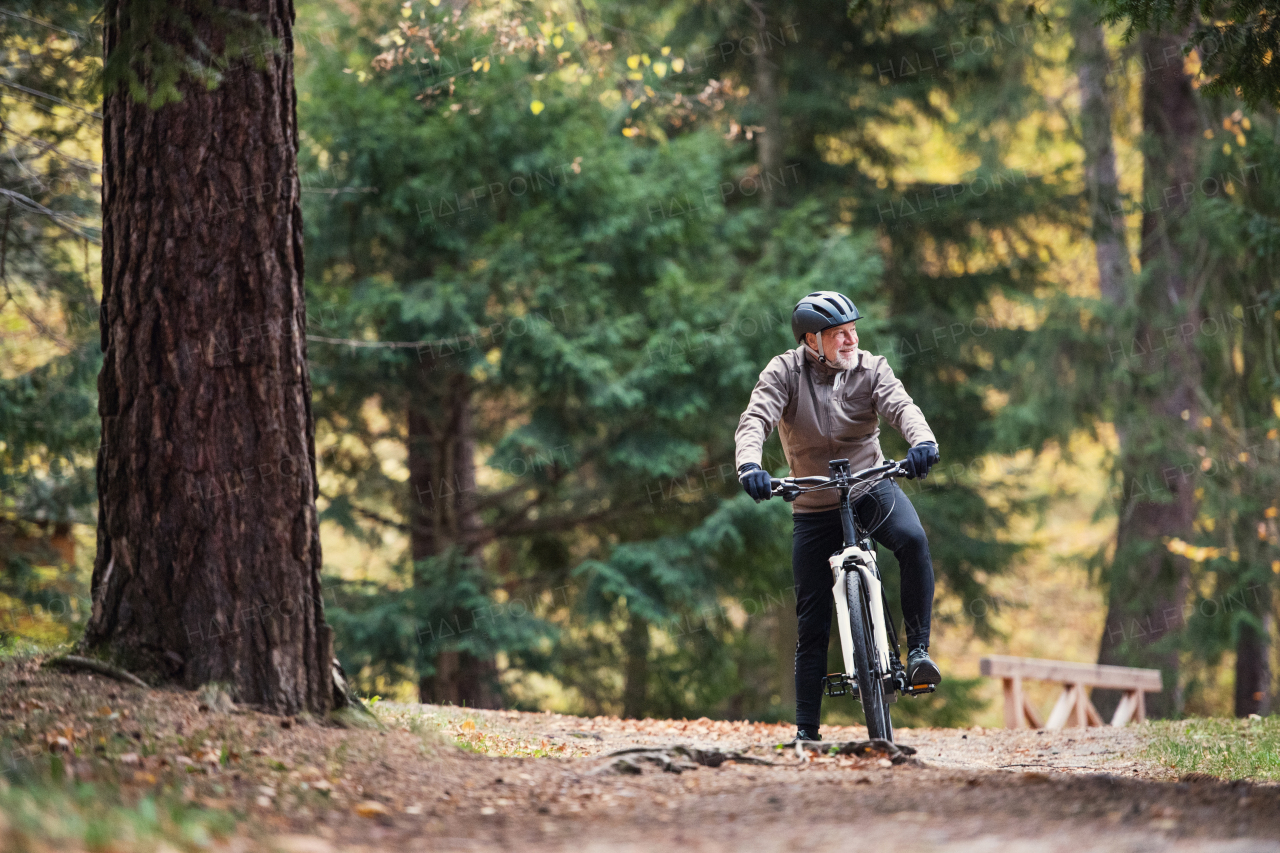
<point x="786" y="489"/>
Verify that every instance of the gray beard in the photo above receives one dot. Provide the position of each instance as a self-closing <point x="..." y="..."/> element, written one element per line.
<point x="845" y="362"/>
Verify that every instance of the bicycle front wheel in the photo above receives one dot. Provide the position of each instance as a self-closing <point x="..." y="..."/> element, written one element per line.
<point x="870" y="686"/>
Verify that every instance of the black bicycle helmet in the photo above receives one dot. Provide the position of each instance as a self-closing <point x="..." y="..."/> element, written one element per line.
<point x="821" y="310"/>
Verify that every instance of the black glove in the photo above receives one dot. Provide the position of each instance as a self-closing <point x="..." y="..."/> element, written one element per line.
<point x="756" y="481"/>
<point x="920" y="459"/>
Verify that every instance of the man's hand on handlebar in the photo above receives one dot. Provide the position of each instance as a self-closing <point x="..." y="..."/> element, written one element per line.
<point x="920" y="459"/>
<point x="756" y="481"/>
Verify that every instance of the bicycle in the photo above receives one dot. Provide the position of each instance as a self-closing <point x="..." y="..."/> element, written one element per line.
<point x="874" y="673"/>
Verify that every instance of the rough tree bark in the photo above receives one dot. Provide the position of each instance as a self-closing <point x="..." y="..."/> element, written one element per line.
<point x="442" y="484"/>
<point x="1253" y="664"/>
<point x="208" y="563"/>
<point x="1106" y="217"/>
<point x="769" y="142"/>
<point x="635" y="690"/>
<point x="1148" y="584"/>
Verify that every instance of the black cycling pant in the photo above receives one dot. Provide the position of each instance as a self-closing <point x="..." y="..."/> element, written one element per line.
<point x="892" y="521"/>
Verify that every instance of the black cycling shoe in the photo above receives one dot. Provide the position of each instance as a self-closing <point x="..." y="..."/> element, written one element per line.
<point x="807" y="734"/>
<point x="920" y="667"/>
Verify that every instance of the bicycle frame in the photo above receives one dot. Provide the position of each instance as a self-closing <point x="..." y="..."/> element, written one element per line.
<point x="858" y="555"/>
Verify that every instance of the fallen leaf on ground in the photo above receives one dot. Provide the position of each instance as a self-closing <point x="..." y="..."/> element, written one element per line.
<point x="371" y="808"/>
<point x="303" y="844"/>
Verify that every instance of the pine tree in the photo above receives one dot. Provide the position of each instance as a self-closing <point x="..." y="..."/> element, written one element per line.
<point x="208" y="563"/>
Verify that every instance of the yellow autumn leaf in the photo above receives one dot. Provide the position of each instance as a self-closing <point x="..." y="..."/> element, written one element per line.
<point x="535" y="108"/>
<point x="558" y="41"/>
<point x="467" y="726"/>
<point x="371" y="808"/>
<point x="677" y="65"/>
<point x="1275" y="566"/>
<point x="634" y="75"/>
<point x="633" y="61"/>
<point x="660" y="68"/>
<point x="435" y="2"/>
<point x="644" y="57"/>
<point x="1271" y="512"/>
<point x="635" y="103"/>
<point x="475" y="64"/>
<point x="666" y="51"/>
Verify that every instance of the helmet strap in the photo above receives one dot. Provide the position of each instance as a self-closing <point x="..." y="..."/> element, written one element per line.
<point x="821" y="355"/>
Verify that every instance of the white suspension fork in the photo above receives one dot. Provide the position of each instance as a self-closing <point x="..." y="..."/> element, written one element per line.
<point x="842" y="620"/>
<point x="863" y="562"/>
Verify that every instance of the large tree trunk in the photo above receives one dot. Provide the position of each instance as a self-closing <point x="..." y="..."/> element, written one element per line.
<point x="208" y="563"/>
<point x="635" y="690"/>
<point x="1148" y="584"/>
<point x="1253" y="663"/>
<point x="769" y="143"/>
<point x="442" y="482"/>
<point x="1093" y="68"/>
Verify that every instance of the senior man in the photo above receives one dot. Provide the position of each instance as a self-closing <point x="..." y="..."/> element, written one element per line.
<point x="825" y="398"/>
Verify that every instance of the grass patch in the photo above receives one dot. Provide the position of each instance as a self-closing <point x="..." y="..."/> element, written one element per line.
<point x="1224" y="748"/>
<point x="469" y="731"/>
<point x="40" y="809"/>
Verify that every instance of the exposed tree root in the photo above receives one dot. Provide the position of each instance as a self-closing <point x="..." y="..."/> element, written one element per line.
<point x="672" y="759"/>
<point x="96" y="666"/>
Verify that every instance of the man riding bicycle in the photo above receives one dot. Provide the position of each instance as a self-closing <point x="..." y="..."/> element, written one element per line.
<point x="824" y="398"/>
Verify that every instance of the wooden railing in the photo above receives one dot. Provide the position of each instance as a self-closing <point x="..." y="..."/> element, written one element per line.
<point x="1073" y="707"/>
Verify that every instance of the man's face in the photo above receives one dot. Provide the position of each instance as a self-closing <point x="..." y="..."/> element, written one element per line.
<point x="839" y="344"/>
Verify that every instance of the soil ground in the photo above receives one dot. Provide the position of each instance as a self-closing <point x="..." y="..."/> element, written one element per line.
<point x="444" y="778"/>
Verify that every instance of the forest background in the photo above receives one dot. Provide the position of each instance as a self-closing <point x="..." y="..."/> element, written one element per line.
<point x="549" y="247"/>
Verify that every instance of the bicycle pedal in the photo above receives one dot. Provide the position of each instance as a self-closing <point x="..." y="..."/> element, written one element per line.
<point x="839" y="684"/>
<point x="920" y="689"/>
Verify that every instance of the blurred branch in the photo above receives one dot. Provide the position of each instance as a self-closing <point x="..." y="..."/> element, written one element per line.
<point x="42" y="147"/>
<point x="38" y="22"/>
<point x="46" y="95"/>
<point x="371" y="515"/>
<point x="36" y="207"/>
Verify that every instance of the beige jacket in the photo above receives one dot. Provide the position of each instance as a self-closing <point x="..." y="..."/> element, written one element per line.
<point x="818" y="422"/>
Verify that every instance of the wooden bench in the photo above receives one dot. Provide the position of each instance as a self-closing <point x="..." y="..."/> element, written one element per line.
<point x="1074" y="707"/>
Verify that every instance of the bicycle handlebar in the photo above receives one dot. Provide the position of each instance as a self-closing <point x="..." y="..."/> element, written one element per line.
<point x="792" y="487"/>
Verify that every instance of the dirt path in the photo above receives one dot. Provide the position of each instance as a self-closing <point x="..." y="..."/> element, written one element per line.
<point x="547" y="782"/>
<point x="966" y="790"/>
